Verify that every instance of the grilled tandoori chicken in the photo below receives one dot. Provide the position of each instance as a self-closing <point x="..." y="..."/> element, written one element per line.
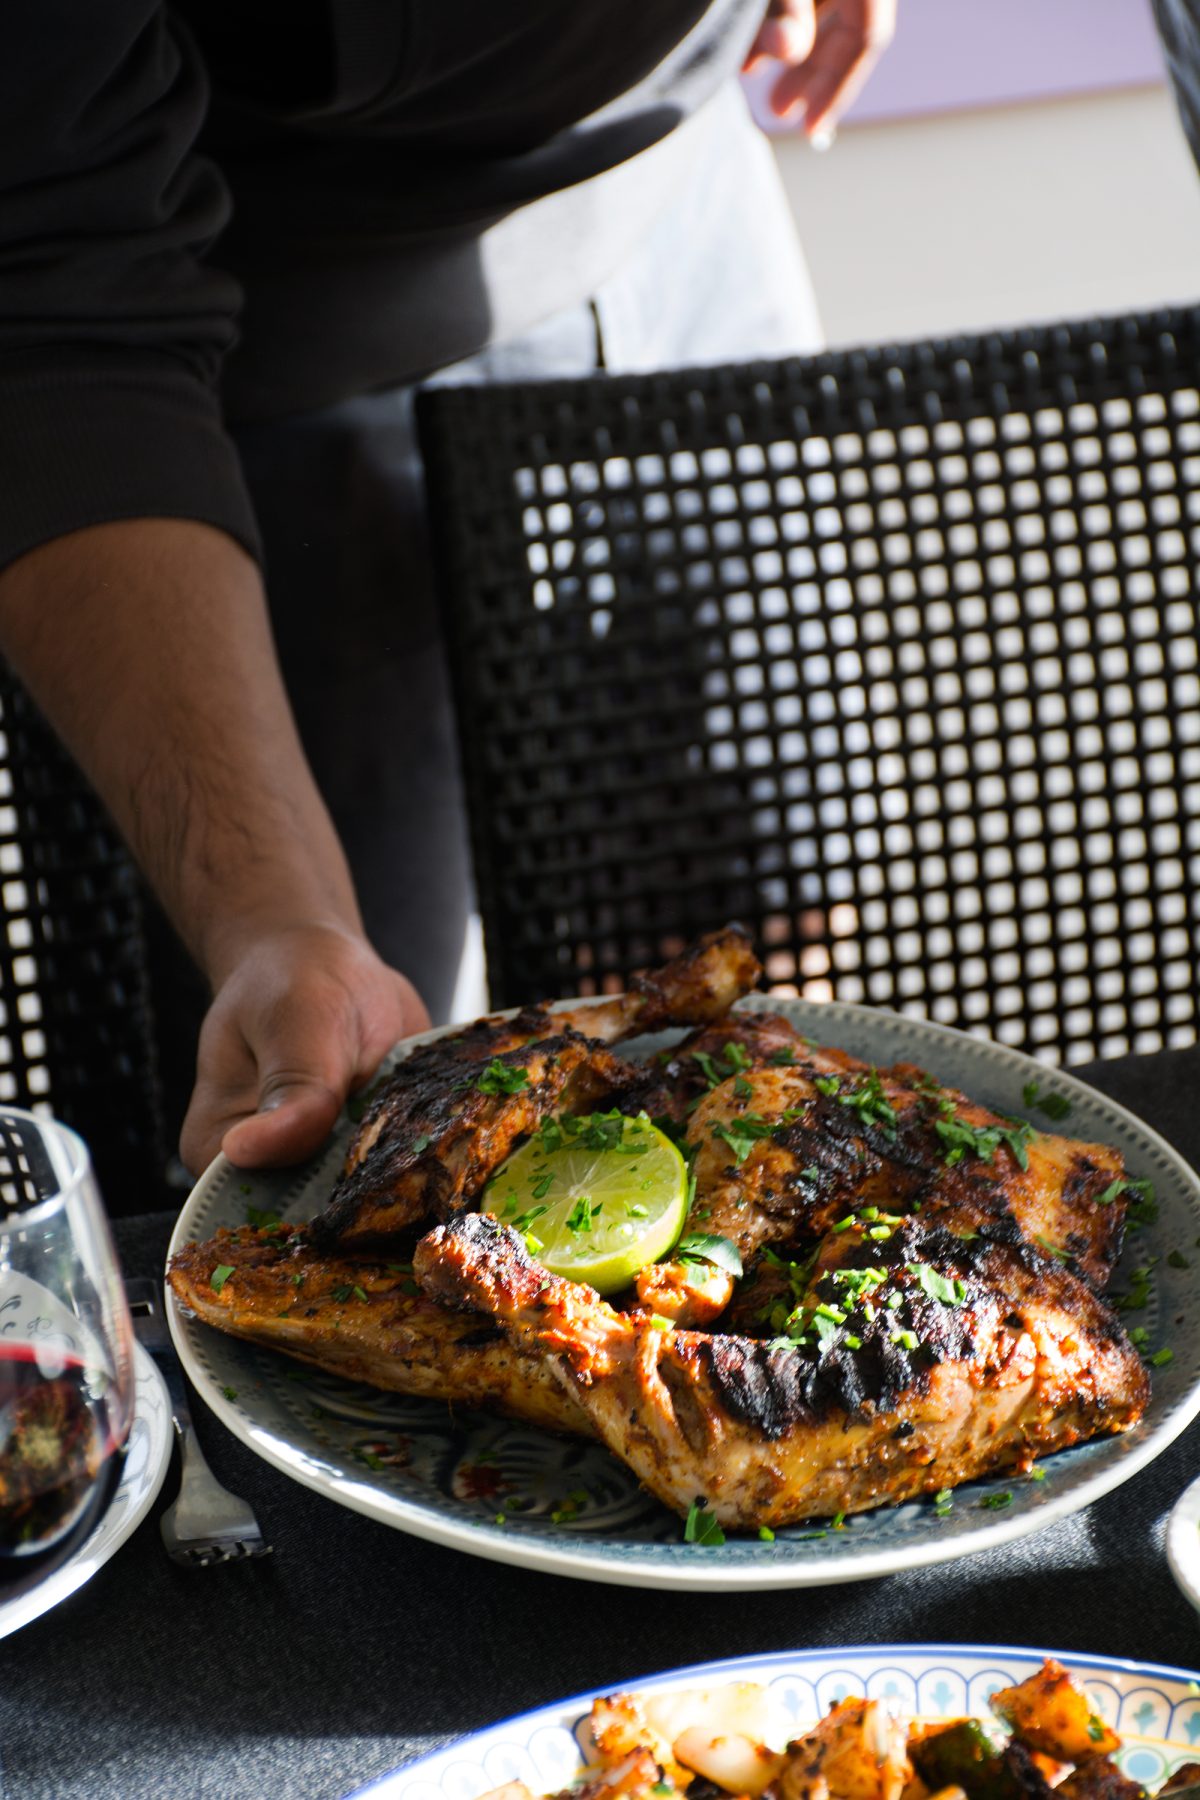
<point x="366" y="1320"/>
<point x="918" y="1302"/>
<point x="937" y="1359"/>
<point x="783" y="1151"/>
<point x="450" y="1113"/>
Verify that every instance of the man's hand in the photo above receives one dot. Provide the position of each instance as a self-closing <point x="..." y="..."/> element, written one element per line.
<point x="827" y="48"/>
<point x="303" y="1018"/>
<point x="147" y="643"/>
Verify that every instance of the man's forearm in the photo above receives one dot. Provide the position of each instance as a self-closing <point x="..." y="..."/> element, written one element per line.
<point x="147" y="645"/>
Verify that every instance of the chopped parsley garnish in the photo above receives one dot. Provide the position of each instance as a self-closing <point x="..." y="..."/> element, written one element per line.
<point x="907" y="1340"/>
<point x="1139" y="1290"/>
<point x="263" y="1218"/>
<point x="766" y="1535"/>
<point x="742" y="1132"/>
<point x="983" y="1141"/>
<point x="502" y="1078"/>
<point x="871" y="1104"/>
<point x="1095" y="1729"/>
<point x="230" y="1393"/>
<point x="359" y="1293"/>
<point x="943" y="1502"/>
<point x="742" y="1087"/>
<point x="582" y="1215"/>
<point x="733" y="1057"/>
<point x="1037" y="1473"/>
<point x="1053" y="1250"/>
<point x="341" y="1293"/>
<point x="1054" y="1106"/>
<point x="707" y="1247"/>
<point x="781" y="1058"/>
<point x="220" y="1276"/>
<point x="993" y="1502"/>
<point x="421" y="1143"/>
<point x="827" y="1085"/>
<point x="949" y="1291"/>
<point x="702" y="1526"/>
<point x="1161" y="1358"/>
<point x="1142" y="1208"/>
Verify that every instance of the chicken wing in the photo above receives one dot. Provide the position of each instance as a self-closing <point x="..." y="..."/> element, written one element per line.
<point x="964" y="1357"/>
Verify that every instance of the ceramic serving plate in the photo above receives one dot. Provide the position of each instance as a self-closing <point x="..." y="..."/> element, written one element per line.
<point x="146" y="1457"/>
<point x="506" y="1491"/>
<point x="1155" y="1709"/>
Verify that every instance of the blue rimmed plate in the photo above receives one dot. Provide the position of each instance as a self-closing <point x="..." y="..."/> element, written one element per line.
<point x="451" y="1476"/>
<point x="1156" y="1709"/>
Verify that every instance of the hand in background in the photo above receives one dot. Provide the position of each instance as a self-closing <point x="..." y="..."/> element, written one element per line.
<point x="827" y="49"/>
<point x="303" y="1018"/>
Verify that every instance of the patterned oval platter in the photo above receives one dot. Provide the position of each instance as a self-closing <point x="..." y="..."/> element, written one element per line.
<point x="1156" y="1710"/>
<point x="522" y="1496"/>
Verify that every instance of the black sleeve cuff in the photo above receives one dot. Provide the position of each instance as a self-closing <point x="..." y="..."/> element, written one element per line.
<point x="130" y="437"/>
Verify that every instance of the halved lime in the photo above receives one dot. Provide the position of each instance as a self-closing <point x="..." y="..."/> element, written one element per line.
<point x="596" y="1197"/>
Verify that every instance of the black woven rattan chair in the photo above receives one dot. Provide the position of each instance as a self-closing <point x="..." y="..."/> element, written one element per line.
<point x="890" y="654"/>
<point x="76" y="1035"/>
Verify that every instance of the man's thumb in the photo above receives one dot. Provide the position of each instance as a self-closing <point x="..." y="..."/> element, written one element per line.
<point x="296" y="1113"/>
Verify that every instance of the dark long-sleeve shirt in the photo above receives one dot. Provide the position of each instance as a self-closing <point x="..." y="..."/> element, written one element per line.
<point x="248" y="208"/>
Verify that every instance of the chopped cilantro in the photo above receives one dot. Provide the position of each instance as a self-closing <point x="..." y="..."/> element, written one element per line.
<point x="742" y="1131"/>
<point x="781" y="1058"/>
<point x="582" y="1215"/>
<point x="766" y="1534"/>
<point x="502" y="1078"/>
<point x="1161" y="1358"/>
<point x="950" y="1292"/>
<point x="960" y="1138"/>
<point x="230" y="1393"/>
<point x="220" y="1276"/>
<point x="703" y="1246"/>
<point x="993" y="1502"/>
<point x="1054" y="1106"/>
<point x="702" y="1526"/>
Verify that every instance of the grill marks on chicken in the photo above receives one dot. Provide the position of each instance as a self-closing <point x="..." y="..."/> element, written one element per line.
<point x="438" y="1134"/>
<point x="783" y="1153"/>
<point x="919" y="1304"/>
<point x="451" y="1112"/>
<point x="365" y="1320"/>
<point x="1024" y="1360"/>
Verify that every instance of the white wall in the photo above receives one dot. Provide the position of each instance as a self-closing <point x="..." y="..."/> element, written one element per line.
<point x="1005" y="216"/>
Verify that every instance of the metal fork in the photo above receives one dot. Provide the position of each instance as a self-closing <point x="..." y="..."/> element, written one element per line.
<point x="205" y="1523"/>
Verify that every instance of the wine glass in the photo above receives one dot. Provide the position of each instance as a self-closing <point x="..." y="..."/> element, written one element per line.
<point x="66" y="1349"/>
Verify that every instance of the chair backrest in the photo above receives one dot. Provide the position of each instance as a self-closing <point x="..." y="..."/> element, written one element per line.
<point x="76" y="1035"/>
<point x="890" y="654"/>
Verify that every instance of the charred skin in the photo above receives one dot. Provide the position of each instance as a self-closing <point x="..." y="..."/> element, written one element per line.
<point x="846" y="1137"/>
<point x="1028" y="1361"/>
<point x="432" y="1138"/>
<point x="286" y="1295"/>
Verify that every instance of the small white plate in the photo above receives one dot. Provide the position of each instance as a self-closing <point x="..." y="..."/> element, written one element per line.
<point x="1155" y="1709"/>
<point x="1183" y="1542"/>
<point x="445" y="1474"/>
<point x="146" y="1457"/>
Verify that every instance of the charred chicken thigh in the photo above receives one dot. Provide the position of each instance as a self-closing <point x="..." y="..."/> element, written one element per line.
<point x="965" y="1357"/>
<point x="447" y="1117"/>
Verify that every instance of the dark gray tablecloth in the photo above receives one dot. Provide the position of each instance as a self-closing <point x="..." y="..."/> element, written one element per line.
<point x="354" y="1648"/>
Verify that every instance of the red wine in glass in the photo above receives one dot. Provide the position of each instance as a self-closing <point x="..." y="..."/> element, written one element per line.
<point x="61" y="1452"/>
